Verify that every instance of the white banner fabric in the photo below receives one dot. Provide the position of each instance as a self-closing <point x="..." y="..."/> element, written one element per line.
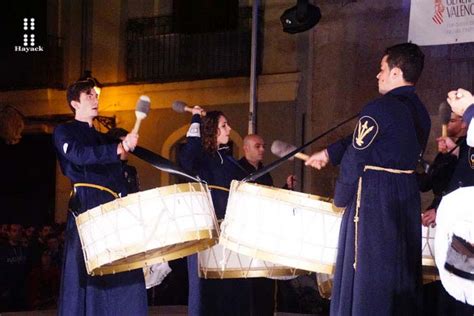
<point x="437" y="22"/>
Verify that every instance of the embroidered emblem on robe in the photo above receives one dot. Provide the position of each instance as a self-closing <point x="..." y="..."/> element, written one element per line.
<point x="365" y="132"/>
<point x="194" y="130"/>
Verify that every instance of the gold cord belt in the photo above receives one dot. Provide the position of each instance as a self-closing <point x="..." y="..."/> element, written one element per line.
<point x="359" y="193"/>
<point x="96" y="186"/>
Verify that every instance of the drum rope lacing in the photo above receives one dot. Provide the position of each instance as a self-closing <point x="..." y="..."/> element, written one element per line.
<point x="359" y="193"/>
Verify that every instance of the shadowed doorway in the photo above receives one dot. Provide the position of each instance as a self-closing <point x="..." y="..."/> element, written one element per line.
<point x="27" y="185"/>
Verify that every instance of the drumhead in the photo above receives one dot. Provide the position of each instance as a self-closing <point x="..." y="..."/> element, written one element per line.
<point x="455" y="216"/>
<point x="147" y="227"/>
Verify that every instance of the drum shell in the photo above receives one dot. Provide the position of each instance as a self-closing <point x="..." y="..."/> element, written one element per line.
<point x="147" y="227"/>
<point x="281" y="226"/>
<point x="218" y="262"/>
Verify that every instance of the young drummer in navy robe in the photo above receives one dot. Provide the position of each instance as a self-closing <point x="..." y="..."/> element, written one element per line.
<point x="91" y="161"/>
<point x="206" y="154"/>
<point x="378" y="269"/>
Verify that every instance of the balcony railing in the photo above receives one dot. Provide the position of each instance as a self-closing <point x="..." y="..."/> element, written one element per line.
<point x="156" y="53"/>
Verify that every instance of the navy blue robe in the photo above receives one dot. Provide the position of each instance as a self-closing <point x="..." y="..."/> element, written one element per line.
<point x="88" y="156"/>
<point x="208" y="296"/>
<point x="468" y="117"/>
<point x="386" y="248"/>
<point x="463" y="175"/>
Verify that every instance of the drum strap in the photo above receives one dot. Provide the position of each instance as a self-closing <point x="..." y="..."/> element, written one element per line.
<point x="359" y="194"/>
<point x="218" y="188"/>
<point x="98" y="187"/>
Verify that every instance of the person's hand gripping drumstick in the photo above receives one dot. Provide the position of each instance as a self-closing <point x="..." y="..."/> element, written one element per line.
<point x="181" y="107"/>
<point x="317" y="160"/>
<point x="460" y="100"/>
<point x="131" y="140"/>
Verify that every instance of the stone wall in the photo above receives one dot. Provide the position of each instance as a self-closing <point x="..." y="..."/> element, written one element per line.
<point x="348" y="44"/>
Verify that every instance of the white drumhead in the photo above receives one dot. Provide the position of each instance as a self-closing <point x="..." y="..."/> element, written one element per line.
<point x="455" y="215"/>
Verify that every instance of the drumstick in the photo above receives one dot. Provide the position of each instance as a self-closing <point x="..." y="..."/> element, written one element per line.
<point x="282" y="149"/>
<point x="181" y="107"/>
<point x="141" y="111"/>
<point x="444" y="112"/>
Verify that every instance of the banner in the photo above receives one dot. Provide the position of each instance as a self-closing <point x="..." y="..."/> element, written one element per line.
<point x="437" y="22"/>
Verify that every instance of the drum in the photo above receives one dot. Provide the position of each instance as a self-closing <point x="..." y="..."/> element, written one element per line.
<point x="324" y="282"/>
<point x="430" y="272"/>
<point x="218" y="262"/>
<point x="147" y="227"/>
<point x="455" y="217"/>
<point x="290" y="228"/>
<point x="285" y="227"/>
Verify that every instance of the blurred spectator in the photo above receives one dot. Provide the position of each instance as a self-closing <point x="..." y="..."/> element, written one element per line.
<point x="54" y="250"/>
<point x="30" y="233"/>
<point x="43" y="285"/>
<point x="43" y="234"/>
<point x="39" y="244"/>
<point x="13" y="271"/>
<point x="3" y="234"/>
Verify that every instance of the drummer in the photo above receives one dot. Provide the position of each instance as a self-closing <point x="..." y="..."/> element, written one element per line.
<point x="463" y="176"/>
<point x="92" y="162"/>
<point x="441" y="170"/>
<point x="254" y="150"/>
<point x="207" y="154"/>
<point x="378" y="269"/>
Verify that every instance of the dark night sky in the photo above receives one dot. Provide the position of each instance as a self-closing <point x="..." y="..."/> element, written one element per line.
<point x="17" y="65"/>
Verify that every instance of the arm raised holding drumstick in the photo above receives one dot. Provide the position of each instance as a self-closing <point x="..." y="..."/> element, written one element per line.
<point x="462" y="103"/>
<point x="207" y="154"/>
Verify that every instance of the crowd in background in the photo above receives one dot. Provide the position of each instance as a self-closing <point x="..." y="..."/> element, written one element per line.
<point x="30" y="269"/>
<point x="30" y="266"/>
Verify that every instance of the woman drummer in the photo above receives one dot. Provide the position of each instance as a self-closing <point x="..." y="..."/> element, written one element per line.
<point x="207" y="155"/>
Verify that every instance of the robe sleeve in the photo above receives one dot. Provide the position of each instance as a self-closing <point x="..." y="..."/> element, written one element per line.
<point x="366" y="133"/>
<point x="71" y="148"/>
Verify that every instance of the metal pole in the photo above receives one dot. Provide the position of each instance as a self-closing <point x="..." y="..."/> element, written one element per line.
<point x="253" y="71"/>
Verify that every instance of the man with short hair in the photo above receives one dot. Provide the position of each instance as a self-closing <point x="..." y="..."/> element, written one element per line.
<point x="254" y="149"/>
<point x="92" y="162"/>
<point x="378" y="269"/>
